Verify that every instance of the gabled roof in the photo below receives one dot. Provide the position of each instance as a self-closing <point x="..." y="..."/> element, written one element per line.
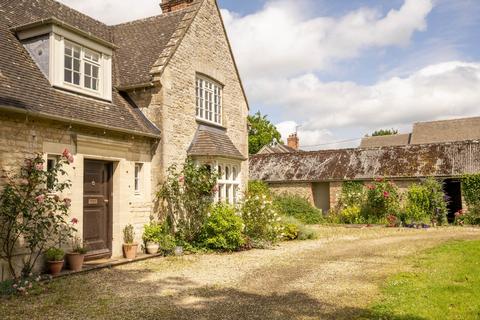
<point x="276" y="148"/>
<point x="211" y="141"/>
<point x="412" y="161"/>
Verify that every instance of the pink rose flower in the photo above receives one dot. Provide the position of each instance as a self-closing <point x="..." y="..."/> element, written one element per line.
<point x="70" y="159"/>
<point x="40" y="198"/>
<point x="181" y="179"/>
<point x="39" y="166"/>
<point x="386" y="194"/>
<point x="66" y="153"/>
<point x="24" y="182"/>
<point x="74" y="221"/>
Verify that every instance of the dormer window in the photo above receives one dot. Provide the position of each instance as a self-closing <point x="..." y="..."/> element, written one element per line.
<point x="70" y="58"/>
<point x="209" y="100"/>
<point x="81" y="66"/>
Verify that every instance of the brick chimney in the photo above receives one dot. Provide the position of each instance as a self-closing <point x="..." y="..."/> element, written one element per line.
<point x="174" y="5"/>
<point x="293" y="141"/>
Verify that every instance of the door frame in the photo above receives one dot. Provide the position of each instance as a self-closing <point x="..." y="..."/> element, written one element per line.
<point x="100" y="255"/>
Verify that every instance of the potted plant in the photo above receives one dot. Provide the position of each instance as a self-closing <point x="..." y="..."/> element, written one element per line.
<point x="54" y="257"/>
<point x="76" y="257"/>
<point x="151" y="237"/>
<point x="129" y="246"/>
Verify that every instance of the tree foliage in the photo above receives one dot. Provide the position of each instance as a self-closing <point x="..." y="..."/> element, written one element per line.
<point x="261" y="133"/>
<point x="384" y="132"/>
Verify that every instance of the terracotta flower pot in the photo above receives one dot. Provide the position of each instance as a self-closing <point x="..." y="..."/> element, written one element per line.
<point x="55" y="267"/>
<point x="75" y="261"/>
<point x="152" y="247"/>
<point x="130" y="250"/>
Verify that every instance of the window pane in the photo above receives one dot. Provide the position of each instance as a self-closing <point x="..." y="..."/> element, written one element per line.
<point x="88" y="69"/>
<point x="235" y="192"/>
<point x="76" y="53"/>
<point x="234" y="171"/>
<point x="95" y="71"/>
<point x="95" y="84"/>
<point x="76" y="65"/>
<point x="88" y="82"/>
<point x="76" y="78"/>
<point x="68" y="62"/>
<point x="227" y="173"/>
<point x="68" y="51"/>
<point x="227" y="193"/>
<point x="68" y="76"/>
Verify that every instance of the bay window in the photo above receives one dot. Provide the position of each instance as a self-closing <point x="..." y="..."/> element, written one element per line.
<point x="228" y="183"/>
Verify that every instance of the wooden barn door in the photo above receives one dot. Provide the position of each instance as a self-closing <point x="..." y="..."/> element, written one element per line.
<point x="97" y="215"/>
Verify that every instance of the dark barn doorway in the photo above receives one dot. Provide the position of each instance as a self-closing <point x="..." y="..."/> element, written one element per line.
<point x="453" y="191"/>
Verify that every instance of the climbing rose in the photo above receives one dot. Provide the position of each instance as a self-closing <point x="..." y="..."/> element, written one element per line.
<point x="66" y="153"/>
<point x="39" y="166"/>
<point x="74" y="221"/>
<point x="386" y="194"/>
<point x="70" y="159"/>
<point x="68" y="202"/>
<point x="40" y="198"/>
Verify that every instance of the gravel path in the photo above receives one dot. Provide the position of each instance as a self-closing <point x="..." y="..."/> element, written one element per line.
<point x="334" y="277"/>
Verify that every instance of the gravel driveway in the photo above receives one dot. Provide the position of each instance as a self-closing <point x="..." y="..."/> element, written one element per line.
<point x="334" y="277"/>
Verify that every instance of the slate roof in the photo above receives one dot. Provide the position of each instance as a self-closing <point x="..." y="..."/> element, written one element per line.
<point x="140" y="46"/>
<point x="211" y="141"/>
<point x="412" y="161"/>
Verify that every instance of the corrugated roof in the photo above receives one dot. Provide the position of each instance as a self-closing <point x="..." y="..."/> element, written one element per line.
<point x="447" y="159"/>
<point x="211" y="141"/>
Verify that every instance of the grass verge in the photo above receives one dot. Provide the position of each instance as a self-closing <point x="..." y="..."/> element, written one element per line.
<point x="444" y="284"/>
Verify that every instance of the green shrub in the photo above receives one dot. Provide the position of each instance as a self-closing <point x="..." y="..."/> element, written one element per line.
<point x="306" y="233"/>
<point x="382" y="199"/>
<point x="299" y="208"/>
<point x="290" y="228"/>
<point x="260" y="215"/>
<point x="152" y="232"/>
<point x="128" y="234"/>
<point x="350" y="215"/>
<point x="471" y="193"/>
<point x="223" y="229"/>
<point x="352" y="194"/>
<point x="167" y="243"/>
<point x="185" y="198"/>
<point x="425" y="201"/>
<point x="258" y="187"/>
<point x="54" y="254"/>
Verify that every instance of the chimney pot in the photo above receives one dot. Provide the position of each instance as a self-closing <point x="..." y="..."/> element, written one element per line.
<point x="174" y="5"/>
<point x="293" y="141"/>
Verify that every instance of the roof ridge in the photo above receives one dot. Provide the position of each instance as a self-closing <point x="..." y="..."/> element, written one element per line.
<point x="146" y="19"/>
<point x="77" y="11"/>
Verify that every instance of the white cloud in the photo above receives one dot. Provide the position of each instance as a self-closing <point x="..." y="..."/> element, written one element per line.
<point x="437" y="91"/>
<point x="282" y="40"/>
<point x="116" y="11"/>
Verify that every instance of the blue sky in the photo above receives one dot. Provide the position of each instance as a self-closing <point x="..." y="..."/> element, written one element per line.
<point x="342" y="69"/>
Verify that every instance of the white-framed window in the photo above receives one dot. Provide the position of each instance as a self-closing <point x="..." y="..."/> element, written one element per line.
<point x="208" y="100"/>
<point x="138" y="178"/>
<point x="228" y="182"/>
<point x="81" y="66"/>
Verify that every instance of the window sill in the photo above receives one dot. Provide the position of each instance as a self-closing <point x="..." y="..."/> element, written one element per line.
<point x="210" y="123"/>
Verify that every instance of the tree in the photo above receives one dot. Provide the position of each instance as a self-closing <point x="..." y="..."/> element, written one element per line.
<point x="261" y="133"/>
<point x="385" y="132"/>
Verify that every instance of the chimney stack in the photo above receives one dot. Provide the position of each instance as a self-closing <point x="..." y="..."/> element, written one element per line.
<point x="174" y="5"/>
<point x="293" y="141"/>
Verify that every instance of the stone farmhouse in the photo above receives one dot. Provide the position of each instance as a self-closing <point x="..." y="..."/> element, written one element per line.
<point x="442" y="149"/>
<point x="128" y="101"/>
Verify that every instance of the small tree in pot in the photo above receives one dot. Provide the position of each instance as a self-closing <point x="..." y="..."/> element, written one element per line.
<point x="129" y="246"/>
<point x="54" y="257"/>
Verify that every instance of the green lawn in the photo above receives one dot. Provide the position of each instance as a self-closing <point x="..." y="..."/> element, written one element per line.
<point x="444" y="284"/>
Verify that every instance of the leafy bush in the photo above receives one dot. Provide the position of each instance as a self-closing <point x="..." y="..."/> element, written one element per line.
<point x="350" y="215"/>
<point x="425" y="201"/>
<point x="258" y="187"/>
<point x="299" y="208"/>
<point x="185" y="198"/>
<point x="32" y="214"/>
<point x="128" y="234"/>
<point x="54" y="254"/>
<point x="260" y="215"/>
<point x="306" y="233"/>
<point x="382" y="199"/>
<point x="290" y="227"/>
<point x="167" y="243"/>
<point x="223" y="229"/>
<point x="471" y="193"/>
<point x="352" y="194"/>
<point x="152" y="232"/>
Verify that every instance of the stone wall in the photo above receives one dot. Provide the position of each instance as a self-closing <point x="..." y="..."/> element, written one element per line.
<point x="22" y="137"/>
<point x="301" y="189"/>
